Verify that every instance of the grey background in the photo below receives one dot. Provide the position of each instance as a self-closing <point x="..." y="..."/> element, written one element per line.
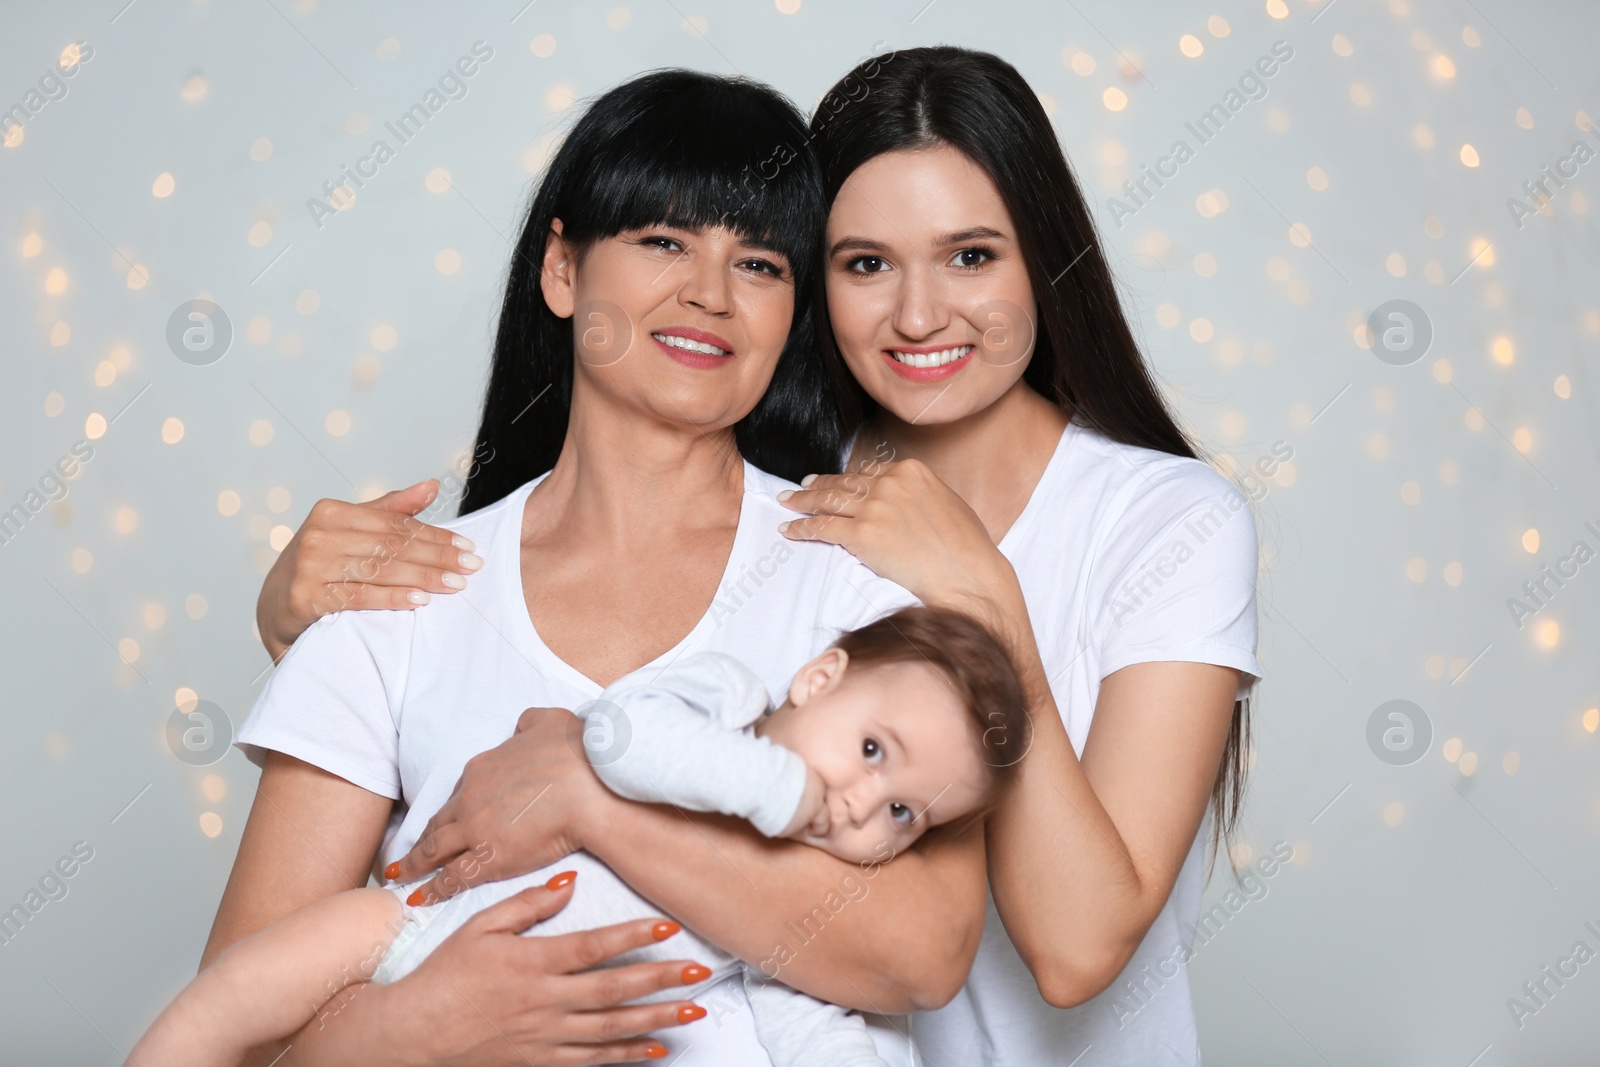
<point x="1421" y="897"/>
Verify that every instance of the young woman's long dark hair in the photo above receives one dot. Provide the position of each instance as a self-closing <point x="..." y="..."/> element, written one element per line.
<point x="1085" y="357"/>
<point x="680" y="148"/>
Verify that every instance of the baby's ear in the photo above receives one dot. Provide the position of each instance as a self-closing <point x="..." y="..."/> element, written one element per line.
<point x="821" y="674"/>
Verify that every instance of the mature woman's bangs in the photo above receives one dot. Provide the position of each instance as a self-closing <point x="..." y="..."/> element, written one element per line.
<point x="712" y="161"/>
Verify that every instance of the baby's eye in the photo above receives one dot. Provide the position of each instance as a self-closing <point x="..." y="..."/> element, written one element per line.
<point x="900" y="814"/>
<point x="872" y="751"/>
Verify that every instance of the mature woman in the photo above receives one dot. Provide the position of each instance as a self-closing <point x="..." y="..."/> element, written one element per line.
<point x="651" y="314"/>
<point x="1012" y="457"/>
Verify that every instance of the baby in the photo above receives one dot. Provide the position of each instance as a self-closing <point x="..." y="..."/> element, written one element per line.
<point x="904" y="724"/>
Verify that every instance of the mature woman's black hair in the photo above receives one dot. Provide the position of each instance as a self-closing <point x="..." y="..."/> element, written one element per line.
<point x="1085" y="357"/>
<point x="680" y="148"/>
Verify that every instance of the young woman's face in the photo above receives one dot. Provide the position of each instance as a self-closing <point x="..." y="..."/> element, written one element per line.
<point x="684" y="325"/>
<point x="928" y="294"/>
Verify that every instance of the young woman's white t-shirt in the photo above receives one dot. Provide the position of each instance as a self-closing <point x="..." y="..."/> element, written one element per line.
<point x="397" y="701"/>
<point x="1125" y="555"/>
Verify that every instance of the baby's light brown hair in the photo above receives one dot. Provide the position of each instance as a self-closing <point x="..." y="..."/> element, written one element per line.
<point x="975" y="664"/>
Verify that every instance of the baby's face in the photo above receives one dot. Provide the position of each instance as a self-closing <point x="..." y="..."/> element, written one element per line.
<point x="894" y="747"/>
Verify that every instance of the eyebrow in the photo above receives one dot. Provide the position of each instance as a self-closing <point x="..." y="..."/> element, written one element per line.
<point x="866" y="244"/>
<point x="932" y="802"/>
<point x="971" y="233"/>
<point x="760" y="244"/>
<point x="857" y="244"/>
<point x="889" y="732"/>
<point x="764" y="246"/>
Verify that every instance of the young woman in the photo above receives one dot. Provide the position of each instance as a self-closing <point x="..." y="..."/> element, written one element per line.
<point x="1014" y="459"/>
<point x="652" y="311"/>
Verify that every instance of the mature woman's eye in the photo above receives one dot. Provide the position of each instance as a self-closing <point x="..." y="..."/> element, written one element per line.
<point x="764" y="266"/>
<point x="872" y="750"/>
<point x="666" y="244"/>
<point x="900" y="814"/>
<point x="971" y="258"/>
<point x="867" y="265"/>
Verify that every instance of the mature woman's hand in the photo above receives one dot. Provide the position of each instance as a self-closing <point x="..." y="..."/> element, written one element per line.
<point x="372" y="555"/>
<point x="526" y="799"/>
<point x="491" y="998"/>
<point x="902" y="521"/>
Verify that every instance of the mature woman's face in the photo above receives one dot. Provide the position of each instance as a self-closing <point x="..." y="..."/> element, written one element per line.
<point x="928" y="293"/>
<point x="683" y="325"/>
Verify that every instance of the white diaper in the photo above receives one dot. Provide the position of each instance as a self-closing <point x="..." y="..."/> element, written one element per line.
<point x="416" y="920"/>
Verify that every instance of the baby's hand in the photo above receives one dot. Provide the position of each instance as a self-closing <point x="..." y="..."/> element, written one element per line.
<point x="811" y="811"/>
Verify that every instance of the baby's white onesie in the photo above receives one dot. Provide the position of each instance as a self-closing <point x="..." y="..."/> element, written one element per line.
<point x="683" y="736"/>
<point x="687" y="737"/>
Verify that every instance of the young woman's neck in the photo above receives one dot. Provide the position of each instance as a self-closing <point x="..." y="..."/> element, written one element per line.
<point x="623" y="475"/>
<point x="990" y="458"/>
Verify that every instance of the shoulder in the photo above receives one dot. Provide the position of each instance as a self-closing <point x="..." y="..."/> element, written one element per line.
<point x="327" y="646"/>
<point x="477" y="525"/>
<point x="1131" y="487"/>
<point x="761" y="493"/>
<point x="761" y="490"/>
<point x="846" y="591"/>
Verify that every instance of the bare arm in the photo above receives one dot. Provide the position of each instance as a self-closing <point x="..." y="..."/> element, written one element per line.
<point x="486" y="997"/>
<point x="1108" y="833"/>
<point x="892" y="937"/>
<point x="371" y="555"/>
<point x="310" y="835"/>
<point x="1082" y="855"/>
<point x="896" y="936"/>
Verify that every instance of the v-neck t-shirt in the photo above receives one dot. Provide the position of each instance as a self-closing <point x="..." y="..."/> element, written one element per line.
<point x="1125" y="555"/>
<point x="396" y="702"/>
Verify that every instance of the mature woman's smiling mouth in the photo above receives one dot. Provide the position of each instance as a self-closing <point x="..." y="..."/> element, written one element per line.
<point x="695" y="348"/>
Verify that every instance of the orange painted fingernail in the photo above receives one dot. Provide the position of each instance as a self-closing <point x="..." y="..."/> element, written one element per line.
<point x="690" y="1012"/>
<point x="415" y="899"/>
<point x="562" y="880"/>
<point x="655" y="1052"/>
<point x="695" y="973"/>
<point x="662" y="931"/>
<point x="392" y="871"/>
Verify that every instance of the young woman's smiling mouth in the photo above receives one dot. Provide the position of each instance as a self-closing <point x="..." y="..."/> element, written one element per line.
<point x="928" y="363"/>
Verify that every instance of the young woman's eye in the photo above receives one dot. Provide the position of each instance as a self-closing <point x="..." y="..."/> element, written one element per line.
<point x="867" y="265"/>
<point x="900" y="814"/>
<point x="872" y="751"/>
<point x="666" y="244"/>
<point x="971" y="258"/>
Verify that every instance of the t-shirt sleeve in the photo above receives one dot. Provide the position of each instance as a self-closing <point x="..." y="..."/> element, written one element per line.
<point x="334" y="700"/>
<point x="1180" y="565"/>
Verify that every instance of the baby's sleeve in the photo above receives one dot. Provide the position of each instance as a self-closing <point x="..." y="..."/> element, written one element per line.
<point x="678" y="736"/>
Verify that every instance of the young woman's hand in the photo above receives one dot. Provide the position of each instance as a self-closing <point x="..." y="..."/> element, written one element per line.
<point x="491" y="998"/>
<point x="516" y="808"/>
<point x="902" y="521"/>
<point x="372" y="555"/>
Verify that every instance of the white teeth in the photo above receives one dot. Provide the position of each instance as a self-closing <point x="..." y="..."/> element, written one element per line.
<point x="687" y="345"/>
<point x="931" y="359"/>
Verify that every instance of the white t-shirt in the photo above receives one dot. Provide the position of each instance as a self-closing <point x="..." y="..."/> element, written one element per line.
<point x="1125" y="555"/>
<point x="397" y="701"/>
